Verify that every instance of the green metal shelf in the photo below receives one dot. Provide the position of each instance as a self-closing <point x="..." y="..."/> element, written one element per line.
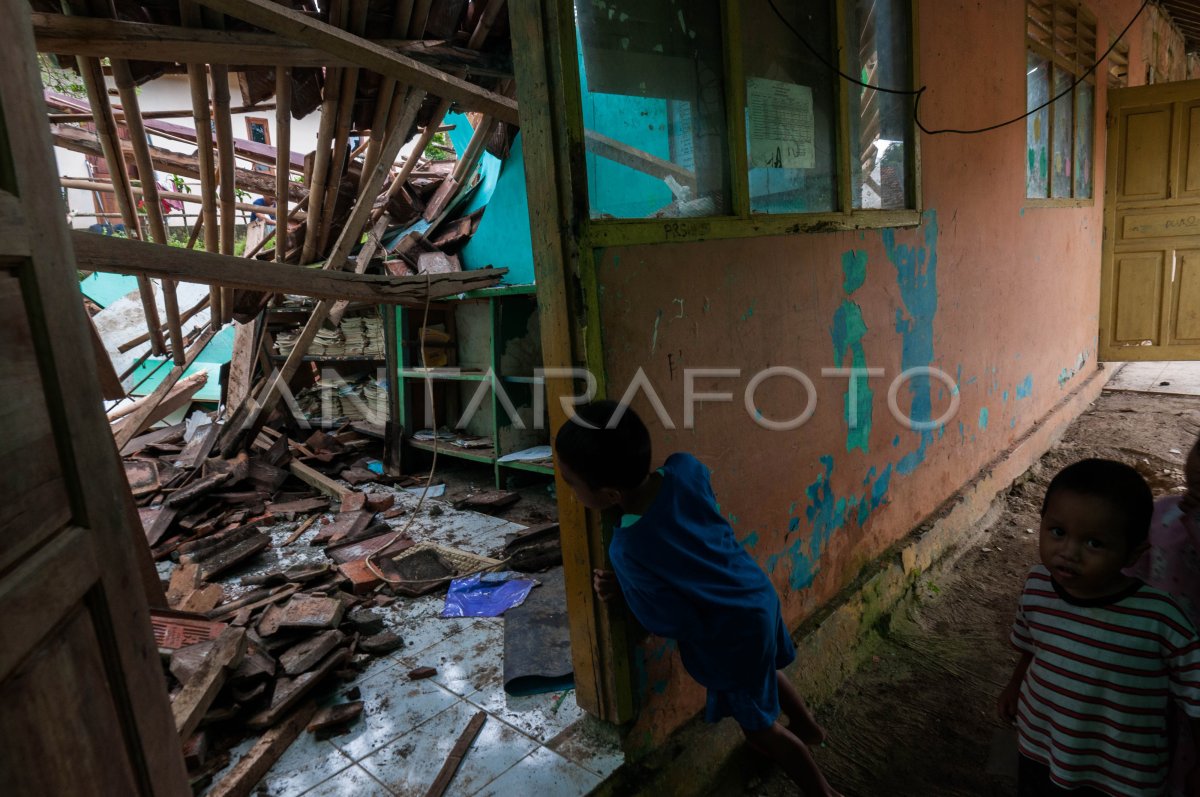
<point x="470" y="376"/>
<point x="529" y="466"/>
<point x="451" y="451"/>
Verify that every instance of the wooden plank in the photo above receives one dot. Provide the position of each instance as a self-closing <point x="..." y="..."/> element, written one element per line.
<point x="189" y="386"/>
<point x="241" y="363"/>
<point x="110" y="383"/>
<point x="123" y="256"/>
<point x="250" y="768"/>
<point x="179" y="196"/>
<point x="319" y="480"/>
<point x="634" y="158"/>
<point x="599" y="649"/>
<point x="364" y="53"/>
<point x="200" y="691"/>
<point x="283" y="140"/>
<point x="136" y="422"/>
<point x="457" y="753"/>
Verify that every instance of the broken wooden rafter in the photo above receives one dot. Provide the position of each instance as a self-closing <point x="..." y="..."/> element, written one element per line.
<point x="138" y="190"/>
<point x="122" y="256"/>
<point x="114" y="157"/>
<point x="364" y="53"/>
<point x="241" y="779"/>
<point x="136" y="422"/>
<point x="350" y="234"/>
<point x="165" y="160"/>
<point x="118" y="112"/>
<point x="140" y="142"/>
<point x="634" y="158"/>
<point x="183" y="390"/>
<point x="179" y="44"/>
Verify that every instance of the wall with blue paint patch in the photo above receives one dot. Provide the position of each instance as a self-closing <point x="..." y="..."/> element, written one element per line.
<point x="999" y="296"/>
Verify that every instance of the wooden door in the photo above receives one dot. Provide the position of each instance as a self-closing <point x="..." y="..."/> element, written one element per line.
<point x="83" y="704"/>
<point x="1150" y="286"/>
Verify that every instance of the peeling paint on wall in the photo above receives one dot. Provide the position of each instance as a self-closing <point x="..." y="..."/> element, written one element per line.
<point x="848" y="331"/>
<point x="1025" y="389"/>
<point x="916" y="273"/>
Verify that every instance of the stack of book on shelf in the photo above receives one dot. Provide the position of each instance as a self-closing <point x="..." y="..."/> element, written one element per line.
<point x="360" y="336"/>
<point x="365" y="400"/>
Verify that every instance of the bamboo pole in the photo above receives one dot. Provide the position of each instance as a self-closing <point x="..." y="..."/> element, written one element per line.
<point x="145" y="166"/>
<point x="283" y="147"/>
<point x="316" y="189"/>
<point x="138" y="190"/>
<point x="219" y="76"/>
<point x="390" y="94"/>
<point x="202" y="116"/>
<point x="106" y="129"/>
<point x="119" y="113"/>
<point x="410" y="163"/>
<point x="350" y="234"/>
<point x="355" y="20"/>
<point x="227" y="184"/>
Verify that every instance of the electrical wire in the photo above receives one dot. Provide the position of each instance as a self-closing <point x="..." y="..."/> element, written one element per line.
<point x="919" y="93"/>
<point x="375" y="570"/>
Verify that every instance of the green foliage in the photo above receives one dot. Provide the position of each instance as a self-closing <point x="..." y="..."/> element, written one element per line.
<point x="55" y="78"/>
<point x="439" y="148"/>
<point x="180" y="185"/>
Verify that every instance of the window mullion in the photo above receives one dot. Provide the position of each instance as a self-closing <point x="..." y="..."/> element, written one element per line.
<point x="842" y="95"/>
<point x="735" y="107"/>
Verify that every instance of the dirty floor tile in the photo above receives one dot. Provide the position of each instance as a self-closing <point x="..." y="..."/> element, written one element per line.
<point x="541" y="716"/>
<point x="392" y="705"/>
<point x="542" y="772"/>
<point x="419" y="622"/>
<point x="409" y="764"/>
<point x="470" y="661"/>
<point x="592" y="744"/>
<point x="350" y="782"/>
<point x="305" y="764"/>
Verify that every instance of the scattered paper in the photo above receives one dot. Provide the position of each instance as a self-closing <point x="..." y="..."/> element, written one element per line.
<point x="528" y="455"/>
<point x="435" y="491"/>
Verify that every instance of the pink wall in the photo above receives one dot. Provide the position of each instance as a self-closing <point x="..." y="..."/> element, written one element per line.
<point x="999" y="295"/>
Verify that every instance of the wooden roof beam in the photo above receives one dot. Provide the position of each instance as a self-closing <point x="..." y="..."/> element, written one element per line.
<point x="172" y="44"/>
<point x="125" y="256"/>
<point x="367" y="54"/>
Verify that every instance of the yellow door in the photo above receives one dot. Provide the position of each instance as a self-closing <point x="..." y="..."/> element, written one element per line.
<point x="1150" y="286"/>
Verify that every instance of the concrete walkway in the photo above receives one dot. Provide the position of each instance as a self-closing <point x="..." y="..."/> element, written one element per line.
<point x="1180" y="377"/>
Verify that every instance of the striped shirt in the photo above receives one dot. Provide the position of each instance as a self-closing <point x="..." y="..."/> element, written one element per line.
<point x="1094" y="702"/>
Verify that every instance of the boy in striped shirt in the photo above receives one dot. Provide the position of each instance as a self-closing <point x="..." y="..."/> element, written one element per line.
<point x="1102" y="654"/>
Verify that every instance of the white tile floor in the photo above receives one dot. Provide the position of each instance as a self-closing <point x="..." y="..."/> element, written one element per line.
<point x="541" y="744"/>
<point x="1181" y="377"/>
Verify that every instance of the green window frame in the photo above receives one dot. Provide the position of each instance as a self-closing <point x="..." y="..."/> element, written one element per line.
<point x="738" y="220"/>
<point x="1060" y="47"/>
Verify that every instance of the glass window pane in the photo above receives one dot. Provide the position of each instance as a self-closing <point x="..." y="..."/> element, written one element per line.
<point x="1037" y="128"/>
<point x="1084" y="132"/>
<point x="878" y="52"/>
<point x="791" y="117"/>
<point x="1061" y="151"/>
<point x="653" y="107"/>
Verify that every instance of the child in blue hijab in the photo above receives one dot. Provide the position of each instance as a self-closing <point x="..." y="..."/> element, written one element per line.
<point x="684" y="576"/>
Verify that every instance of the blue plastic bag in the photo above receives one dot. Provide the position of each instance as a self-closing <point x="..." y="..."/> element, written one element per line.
<point x="486" y="594"/>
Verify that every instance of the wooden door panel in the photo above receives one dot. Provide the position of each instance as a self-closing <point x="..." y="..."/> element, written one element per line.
<point x="1190" y="166"/>
<point x="63" y="687"/>
<point x="1139" y="292"/>
<point x="38" y="502"/>
<point x="83" y="703"/>
<point x="1186" y="305"/>
<point x="1147" y="136"/>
